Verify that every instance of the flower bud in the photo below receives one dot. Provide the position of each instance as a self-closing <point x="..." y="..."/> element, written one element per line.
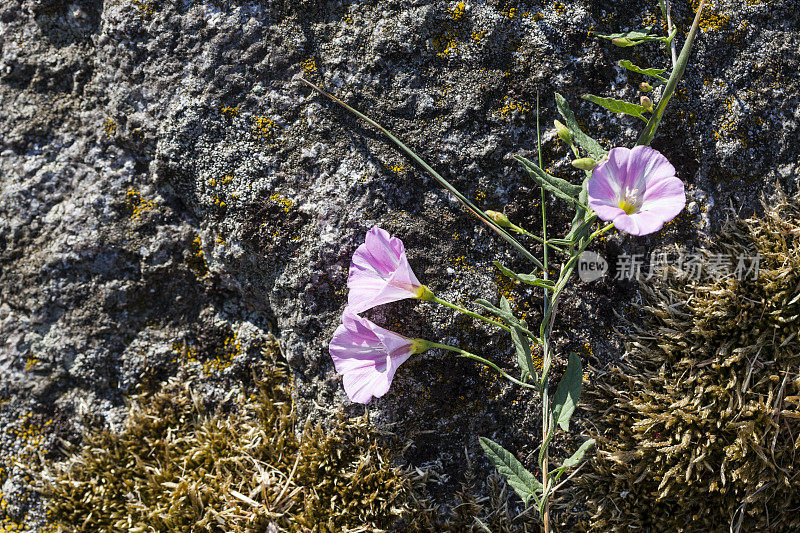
<point x="563" y="133"/>
<point x="499" y="218"/>
<point x="622" y="42"/>
<point x="645" y="87"/>
<point x="585" y="163"/>
<point x="647" y="103"/>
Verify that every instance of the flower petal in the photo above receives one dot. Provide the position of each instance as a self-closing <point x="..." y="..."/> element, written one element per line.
<point x="667" y="197"/>
<point x="362" y="384"/>
<point x="646" y="166"/>
<point x="642" y="223"/>
<point x="606" y="212"/>
<point x="379" y="245"/>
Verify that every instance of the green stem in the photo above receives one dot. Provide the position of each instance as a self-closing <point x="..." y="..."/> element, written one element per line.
<point x="470" y="313"/>
<point x="548" y="243"/>
<point x="665" y="12"/>
<point x="655" y="119"/>
<point x="443" y="182"/>
<point x="464" y="353"/>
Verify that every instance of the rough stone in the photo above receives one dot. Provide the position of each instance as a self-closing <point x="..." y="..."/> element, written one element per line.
<point x="167" y="188"/>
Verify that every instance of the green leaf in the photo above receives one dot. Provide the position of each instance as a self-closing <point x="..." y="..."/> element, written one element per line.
<point x="573" y="460"/>
<point x="618" y="106"/>
<point x="530" y="279"/>
<point x="637" y="37"/>
<point x="580" y="213"/>
<point x="654" y="72"/>
<point x="503" y="312"/>
<point x="522" y="481"/>
<point x="523" y="349"/>
<point x="561" y="188"/>
<point x="634" y="34"/>
<point x="569" y="388"/>
<point x="579" y="232"/>
<point x="591" y="146"/>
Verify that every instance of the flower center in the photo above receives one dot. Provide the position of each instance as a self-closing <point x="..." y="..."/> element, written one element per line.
<point x="630" y="202"/>
<point x="627" y="206"/>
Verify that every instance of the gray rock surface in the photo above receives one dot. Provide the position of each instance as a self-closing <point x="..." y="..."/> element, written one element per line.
<point x="169" y="192"/>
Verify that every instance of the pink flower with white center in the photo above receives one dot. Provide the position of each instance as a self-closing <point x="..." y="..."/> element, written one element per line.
<point x="636" y="189"/>
<point x="380" y="273"/>
<point x="367" y="356"/>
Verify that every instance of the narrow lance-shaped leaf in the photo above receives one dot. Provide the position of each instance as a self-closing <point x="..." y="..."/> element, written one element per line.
<point x="580" y="212"/>
<point x="559" y="187"/>
<point x="568" y="391"/>
<point x="618" y="106"/>
<point x="522" y="481"/>
<point x="529" y="279"/>
<point x="636" y="37"/>
<point x="523" y="348"/>
<point x="591" y="146"/>
<point x="573" y="460"/>
<point x="655" y="119"/>
<point x="653" y="72"/>
<point x="519" y="328"/>
<point x="508" y="316"/>
<point x="504" y="312"/>
<point x="633" y="34"/>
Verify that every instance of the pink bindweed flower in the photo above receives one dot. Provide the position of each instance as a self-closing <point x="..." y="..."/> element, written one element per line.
<point x="367" y="356"/>
<point x="380" y="273"/>
<point x="636" y="189"/>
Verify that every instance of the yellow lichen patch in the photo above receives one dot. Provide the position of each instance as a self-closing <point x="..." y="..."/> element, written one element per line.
<point x="136" y="204"/>
<point x="223" y="358"/>
<point x="215" y="361"/>
<point x="395" y="167"/>
<point x="458" y="11"/>
<point x="510" y="11"/>
<point x="110" y="127"/>
<point x="560" y="8"/>
<point x="264" y="127"/>
<point x="445" y="44"/>
<point x="31" y="362"/>
<point x="711" y="19"/>
<point x="145" y="7"/>
<point x="196" y="260"/>
<point x="230" y="112"/>
<point x="310" y="66"/>
<point x="510" y="105"/>
<point x="28" y="435"/>
<point x="285" y="203"/>
<point x="478" y="35"/>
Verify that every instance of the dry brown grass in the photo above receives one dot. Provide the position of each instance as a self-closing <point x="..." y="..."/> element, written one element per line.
<point x="177" y="467"/>
<point x="699" y="428"/>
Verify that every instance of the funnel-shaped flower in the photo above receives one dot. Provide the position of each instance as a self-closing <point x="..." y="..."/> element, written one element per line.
<point x="380" y="273"/>
<point x="636" y="189"/>
<point x="367" y="356"/>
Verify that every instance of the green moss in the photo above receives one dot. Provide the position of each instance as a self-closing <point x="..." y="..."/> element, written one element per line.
<point x="698" y="428"/>
<point x="178" y="467"/>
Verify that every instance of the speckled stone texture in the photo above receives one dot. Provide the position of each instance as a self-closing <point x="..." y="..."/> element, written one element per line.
<point x="170" y="194"/>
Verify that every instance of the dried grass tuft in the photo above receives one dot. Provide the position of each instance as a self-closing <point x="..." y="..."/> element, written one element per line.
<point x="177" y="467"/>
<point x="699" y="428"/>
